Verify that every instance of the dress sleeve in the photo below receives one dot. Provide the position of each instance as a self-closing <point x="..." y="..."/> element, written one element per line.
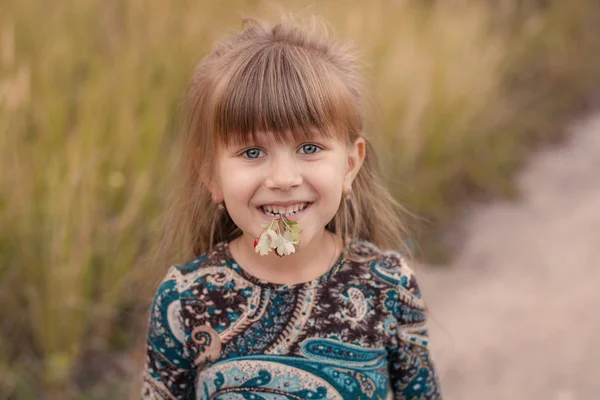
<point x="169" y="371"/>
<point x="411" y="366"/>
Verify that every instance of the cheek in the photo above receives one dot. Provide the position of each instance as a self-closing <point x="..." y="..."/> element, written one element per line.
<point x="327" y="179"/>
<point x="237" y="183"/>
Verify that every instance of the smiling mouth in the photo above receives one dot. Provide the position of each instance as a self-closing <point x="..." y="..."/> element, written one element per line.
<point x="275" y="214"/>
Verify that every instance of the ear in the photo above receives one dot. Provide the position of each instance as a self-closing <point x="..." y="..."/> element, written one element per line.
<point x="356" y="157"/>
<point x="215" y="190"/>
<point x="207" y="181"/>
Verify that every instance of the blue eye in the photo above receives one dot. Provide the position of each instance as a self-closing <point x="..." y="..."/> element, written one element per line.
<point x="312" y="147"/>
<point x="252" y="153"/>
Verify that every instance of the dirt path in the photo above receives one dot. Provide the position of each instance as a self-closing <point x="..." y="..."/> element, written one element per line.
<point x="517" y="316"/>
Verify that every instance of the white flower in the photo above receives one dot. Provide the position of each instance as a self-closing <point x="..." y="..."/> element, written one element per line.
<point x="289" y="236"/>
<point x="273" y="238"/>
<point x="263" y="245"/>
<point x="285" y="246"/>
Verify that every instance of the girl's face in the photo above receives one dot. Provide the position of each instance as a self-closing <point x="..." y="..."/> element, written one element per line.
<point x="306" y="176"/>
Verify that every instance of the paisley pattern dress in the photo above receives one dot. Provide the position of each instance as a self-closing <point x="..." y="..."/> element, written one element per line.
<point x="357" y="332"/>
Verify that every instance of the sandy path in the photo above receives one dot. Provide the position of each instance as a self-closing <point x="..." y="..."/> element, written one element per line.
<point x="517" y="316"/>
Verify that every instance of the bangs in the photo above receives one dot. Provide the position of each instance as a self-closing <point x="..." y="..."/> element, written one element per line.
<point x="284" y="91"/>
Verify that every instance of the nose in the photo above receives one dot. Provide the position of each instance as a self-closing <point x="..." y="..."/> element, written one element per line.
<point x="283" y="174"/>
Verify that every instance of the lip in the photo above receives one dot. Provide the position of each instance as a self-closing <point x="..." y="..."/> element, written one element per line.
<point x="291" y="217"/>
<point x="284" y="203"/>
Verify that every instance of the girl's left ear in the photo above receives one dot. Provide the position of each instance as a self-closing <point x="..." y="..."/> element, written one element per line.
<point x="356" y="157"/>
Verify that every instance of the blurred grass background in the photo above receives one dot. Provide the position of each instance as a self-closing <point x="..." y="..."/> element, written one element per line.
<point x="89" y="99"/>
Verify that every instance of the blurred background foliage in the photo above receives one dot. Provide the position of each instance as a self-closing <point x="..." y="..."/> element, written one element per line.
<point x="89" y="99"/>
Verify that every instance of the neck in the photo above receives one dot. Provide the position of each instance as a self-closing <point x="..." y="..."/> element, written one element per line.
<point x="308" y="262"/>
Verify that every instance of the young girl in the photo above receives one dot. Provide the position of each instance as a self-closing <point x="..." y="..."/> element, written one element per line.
<point x="293" y="290"/>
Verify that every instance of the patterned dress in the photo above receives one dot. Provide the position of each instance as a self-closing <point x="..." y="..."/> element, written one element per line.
<point x="357" y="332"/>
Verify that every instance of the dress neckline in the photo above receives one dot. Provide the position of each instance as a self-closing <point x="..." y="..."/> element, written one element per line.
<point x="233" y="264"/>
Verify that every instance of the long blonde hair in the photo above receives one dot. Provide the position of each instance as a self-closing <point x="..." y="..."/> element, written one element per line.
<point x="284" y="79"/>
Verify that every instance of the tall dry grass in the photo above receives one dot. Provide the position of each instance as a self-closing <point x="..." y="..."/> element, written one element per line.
<point x="89" y="95"/>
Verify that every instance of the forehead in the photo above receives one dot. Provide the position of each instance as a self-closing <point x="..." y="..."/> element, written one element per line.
<point x="278" y="138"/>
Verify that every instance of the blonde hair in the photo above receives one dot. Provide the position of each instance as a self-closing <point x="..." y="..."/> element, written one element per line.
<point x="283" y="79"/>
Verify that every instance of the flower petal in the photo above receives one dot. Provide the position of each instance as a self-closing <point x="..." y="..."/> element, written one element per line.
<point x="290" y="247"/>
<point x="285" y="247"/>
<point x="288" y="235"/>
<point x="262" y="246"/>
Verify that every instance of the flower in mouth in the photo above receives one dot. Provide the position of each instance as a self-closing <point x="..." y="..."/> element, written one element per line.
<point x="273" y="239"/>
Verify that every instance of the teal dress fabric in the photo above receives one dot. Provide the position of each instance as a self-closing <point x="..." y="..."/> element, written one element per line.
<point x="357" y="332"/>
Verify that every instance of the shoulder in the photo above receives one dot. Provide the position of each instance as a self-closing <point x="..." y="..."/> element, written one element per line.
<point x="390" y="267"/>
<point x="389" y="271"/>
<point x="183" y="277"/>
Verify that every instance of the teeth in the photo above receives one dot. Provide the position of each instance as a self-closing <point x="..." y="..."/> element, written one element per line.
<point x="276" y="210"/>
